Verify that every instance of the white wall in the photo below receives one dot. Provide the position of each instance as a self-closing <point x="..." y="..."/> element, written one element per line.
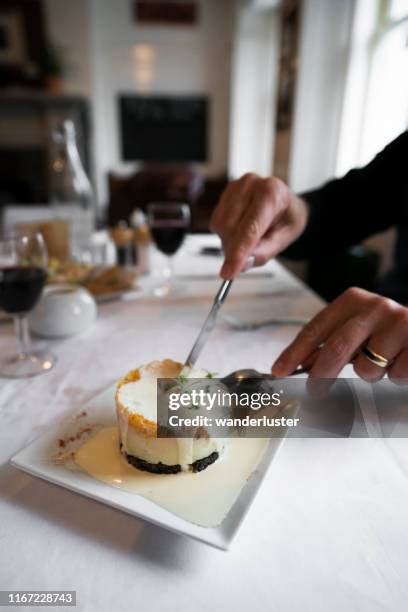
<point x="323" y="60"/>
<point x="176" y="60"/>
<point x="255" y="62"/>
<point x="68" y="29"/>
<point x="106" y="52"/>
<point x="356" y="85"/>
<point x="324" y="49"/>
<point x="332" y="96"/>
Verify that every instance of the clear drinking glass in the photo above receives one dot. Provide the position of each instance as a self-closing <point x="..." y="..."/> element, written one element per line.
<point x="23" y="272"/>
<point x="168" y="222"/>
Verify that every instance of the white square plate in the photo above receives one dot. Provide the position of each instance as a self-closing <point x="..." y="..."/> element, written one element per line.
<point x="36" y="459"/>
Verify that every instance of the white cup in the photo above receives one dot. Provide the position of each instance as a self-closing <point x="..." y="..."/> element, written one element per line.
<point x="63" y="310"/>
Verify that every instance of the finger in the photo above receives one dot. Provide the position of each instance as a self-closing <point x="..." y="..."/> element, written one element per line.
<point x="387" y="342"/>
<point x="249" y="263"/>
<point x="309" y="362"/>
<point x="337" y="351"/>
<point x="309" y="339"/>
<point x="233" y="202"/>
<point x="398" y="371"/>
<point x="247" y="235"/>
<point x="273" y="242"/>
<point x="266" y="247"/>
<point x="318" y="330"/>
<point x="340" y="347"/>
<point x="221" y="210"/>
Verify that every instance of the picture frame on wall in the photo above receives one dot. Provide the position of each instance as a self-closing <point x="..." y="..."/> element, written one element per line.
<point x="22" y="42"/>
<point x="12" y="41"/>
<point x="165" y="12"/>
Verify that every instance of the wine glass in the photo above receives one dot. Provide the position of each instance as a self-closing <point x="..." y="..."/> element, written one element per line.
<point x="23" y="272"/>
<point x="168" y="222"/>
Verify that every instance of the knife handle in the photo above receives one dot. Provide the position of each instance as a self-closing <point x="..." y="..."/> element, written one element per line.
<point x="223" y="292"/>
<point x="226" y="285"/>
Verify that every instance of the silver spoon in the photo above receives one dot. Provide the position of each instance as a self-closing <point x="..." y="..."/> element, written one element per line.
<point x="249" y="373"/>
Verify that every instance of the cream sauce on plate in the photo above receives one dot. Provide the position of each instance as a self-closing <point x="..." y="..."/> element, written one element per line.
<point x="204" y="498"/>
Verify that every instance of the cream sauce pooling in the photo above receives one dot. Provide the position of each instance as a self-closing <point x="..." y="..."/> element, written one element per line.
<point x="204" y="498"/>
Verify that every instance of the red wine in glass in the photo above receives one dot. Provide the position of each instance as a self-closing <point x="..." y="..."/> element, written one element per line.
<point x="20" y="287"/>
<point x="168" y="222"/>
<point x="23" y="272"/>
<point x="168" y="235"/>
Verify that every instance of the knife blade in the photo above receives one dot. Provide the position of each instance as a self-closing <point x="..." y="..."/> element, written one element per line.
<point x="208" y="324"/>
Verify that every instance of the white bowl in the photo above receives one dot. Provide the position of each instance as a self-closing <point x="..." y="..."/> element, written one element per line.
<point x="63" y="310"/>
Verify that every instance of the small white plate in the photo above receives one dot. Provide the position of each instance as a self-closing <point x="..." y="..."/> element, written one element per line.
<point x="36" y="459"/>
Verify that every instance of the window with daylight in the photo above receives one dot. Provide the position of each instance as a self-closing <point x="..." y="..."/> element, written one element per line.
<point x="375" y="107"/>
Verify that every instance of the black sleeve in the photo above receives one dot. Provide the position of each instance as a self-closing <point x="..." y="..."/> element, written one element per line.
<point x="367" y="200"/>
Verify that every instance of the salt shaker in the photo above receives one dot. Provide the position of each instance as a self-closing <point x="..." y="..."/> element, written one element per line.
<point x="142" y="240"/>
<point x="123" y="237"/>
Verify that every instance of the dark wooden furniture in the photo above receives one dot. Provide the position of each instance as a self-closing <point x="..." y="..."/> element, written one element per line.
<point x="164" y="183"/>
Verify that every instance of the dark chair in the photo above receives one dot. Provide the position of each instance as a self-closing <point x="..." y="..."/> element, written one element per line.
<point x="153" y="183"/>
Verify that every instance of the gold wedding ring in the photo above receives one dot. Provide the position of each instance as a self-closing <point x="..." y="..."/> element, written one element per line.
<point x="375" y="358"/>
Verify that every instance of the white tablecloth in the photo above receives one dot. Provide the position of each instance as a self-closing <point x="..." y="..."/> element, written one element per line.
<point x="327" y="532"/>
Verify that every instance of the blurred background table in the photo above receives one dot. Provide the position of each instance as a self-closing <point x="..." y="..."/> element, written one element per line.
<point x="326" y="532"/>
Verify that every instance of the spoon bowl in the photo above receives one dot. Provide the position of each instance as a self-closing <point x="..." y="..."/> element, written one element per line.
<point x="245" y="374"/>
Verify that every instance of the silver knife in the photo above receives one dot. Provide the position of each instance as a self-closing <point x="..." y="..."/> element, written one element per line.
<point x="209" y="324"/>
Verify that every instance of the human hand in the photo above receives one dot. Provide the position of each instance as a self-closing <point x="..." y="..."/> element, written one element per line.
<point x="259" y="217"/>
<point x="355" y="322"/>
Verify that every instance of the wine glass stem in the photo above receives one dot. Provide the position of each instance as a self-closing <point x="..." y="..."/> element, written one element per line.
<point x="169" y="271"/>
<point x="22" y="335"/>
